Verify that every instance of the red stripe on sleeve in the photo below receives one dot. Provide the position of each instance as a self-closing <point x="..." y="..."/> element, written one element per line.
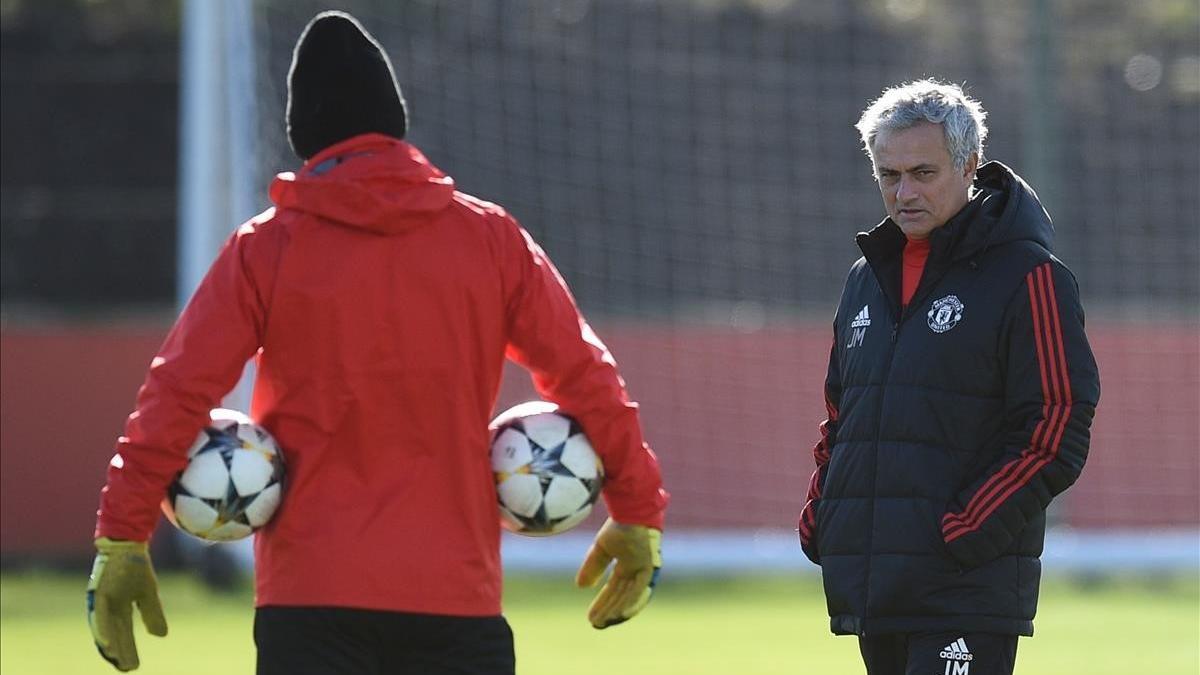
<point x="808" y="517"/>
<point x="821" y="450"/>
<point x="1056" y="408"/>
<point x="1005" y="474"/>
<point x="1046" y="285"/>
<point x="1056" y="320"/>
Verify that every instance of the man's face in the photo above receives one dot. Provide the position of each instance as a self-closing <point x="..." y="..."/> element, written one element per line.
<point x="920" y="186"/>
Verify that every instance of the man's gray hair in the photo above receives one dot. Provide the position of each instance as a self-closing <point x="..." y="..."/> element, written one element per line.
<point x="928" y="100"/>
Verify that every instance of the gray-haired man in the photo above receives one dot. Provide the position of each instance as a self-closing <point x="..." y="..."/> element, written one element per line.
<point x="960" y="391"/>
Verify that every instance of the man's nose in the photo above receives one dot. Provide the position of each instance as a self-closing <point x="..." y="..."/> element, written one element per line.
<point x="905" y="190"/>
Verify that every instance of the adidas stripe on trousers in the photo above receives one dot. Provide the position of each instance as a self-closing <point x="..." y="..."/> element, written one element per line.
<point x="939" y="654"/>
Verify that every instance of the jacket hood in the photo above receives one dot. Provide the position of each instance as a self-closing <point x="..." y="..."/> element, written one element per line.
<point x="1004" y="209"/>
<point x="371" y="182"/>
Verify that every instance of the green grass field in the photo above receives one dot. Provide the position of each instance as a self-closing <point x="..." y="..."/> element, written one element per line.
<point x="694" y="627"/>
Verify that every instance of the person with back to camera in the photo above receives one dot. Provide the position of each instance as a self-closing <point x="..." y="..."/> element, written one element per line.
<point x="380" y="303"/>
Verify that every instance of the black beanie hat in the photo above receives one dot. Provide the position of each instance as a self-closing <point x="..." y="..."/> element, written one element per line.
<point x="340" y="85"/>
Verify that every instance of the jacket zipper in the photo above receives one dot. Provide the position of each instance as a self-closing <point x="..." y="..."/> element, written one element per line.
<point x="887" y="373"/>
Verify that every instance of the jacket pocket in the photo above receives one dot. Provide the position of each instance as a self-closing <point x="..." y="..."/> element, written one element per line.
<point x="944" y="549"/>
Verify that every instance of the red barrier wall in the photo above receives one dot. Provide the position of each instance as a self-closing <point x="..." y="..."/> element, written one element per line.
<point x="64" y="396"/>
<point x="731" y="414"/>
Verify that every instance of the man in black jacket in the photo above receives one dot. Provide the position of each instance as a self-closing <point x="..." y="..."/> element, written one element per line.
<point x="960" y="393"/>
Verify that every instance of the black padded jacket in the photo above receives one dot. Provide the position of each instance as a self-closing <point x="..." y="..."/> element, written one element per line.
<point x="952" y="423"/>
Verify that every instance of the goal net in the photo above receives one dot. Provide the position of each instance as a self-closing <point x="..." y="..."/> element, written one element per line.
<point x="692" y="168"/>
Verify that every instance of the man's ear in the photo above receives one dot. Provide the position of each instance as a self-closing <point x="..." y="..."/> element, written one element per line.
<point x="970" y="167"/>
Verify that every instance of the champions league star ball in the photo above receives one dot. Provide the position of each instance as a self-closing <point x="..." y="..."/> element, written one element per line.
<point x="547" y="475"/>
<point x="233" y="481"/>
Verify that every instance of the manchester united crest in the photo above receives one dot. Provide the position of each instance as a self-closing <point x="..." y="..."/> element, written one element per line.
<point x="945" y="314"/>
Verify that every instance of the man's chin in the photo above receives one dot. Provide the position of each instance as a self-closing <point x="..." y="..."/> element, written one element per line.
<point x="915" y="228"/>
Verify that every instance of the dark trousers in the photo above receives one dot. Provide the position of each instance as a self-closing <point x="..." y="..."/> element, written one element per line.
<point x="342" y="641"/>
<point x="939" y="654"/>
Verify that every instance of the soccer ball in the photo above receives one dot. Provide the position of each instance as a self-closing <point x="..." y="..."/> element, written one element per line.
<point x="547" y="475"/>
<point x="233" y="481"/>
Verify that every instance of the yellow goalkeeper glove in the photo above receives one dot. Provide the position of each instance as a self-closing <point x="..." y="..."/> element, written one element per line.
<point x="121" y="576"/>
<point x="638" y="552"/>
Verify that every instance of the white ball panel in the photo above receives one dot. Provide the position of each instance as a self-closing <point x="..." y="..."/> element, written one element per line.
<point x="254" y="437"/>
<point x="255" y="461"/>
<point x="509" y="521"/>
<point x="259" y="511"/>
<point x="200" y="442"/>
<point x="564" y="496"/>
<point x="574" y="520"/>
<point x="206" y="476"/>
<point x="510" y="451"/>
<point x="567" y="499"/>
<point x="230" y="531"/>
<point x="580" y="458"/>
<point x="522" y="410"/>
<point x="547" y="430"/>
<point x="193" y="515"/>
<point x="224" y="418"/>
<point x="250" y="471"/>
<point x="521" y="494"/>
<point x="248" y="435"/>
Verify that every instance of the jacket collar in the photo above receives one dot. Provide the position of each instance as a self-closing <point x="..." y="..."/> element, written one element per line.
<point x="883" y="245"/>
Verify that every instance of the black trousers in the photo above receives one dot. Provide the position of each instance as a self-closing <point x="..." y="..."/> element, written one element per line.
<point x="342" y="641"/>
<point x="939" y="654"/>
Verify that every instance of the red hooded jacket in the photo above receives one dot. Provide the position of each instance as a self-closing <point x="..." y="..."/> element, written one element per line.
<point x="381" y="304"/>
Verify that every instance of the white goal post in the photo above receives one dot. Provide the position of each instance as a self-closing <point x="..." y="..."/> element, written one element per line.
<point x="218" y="167"/>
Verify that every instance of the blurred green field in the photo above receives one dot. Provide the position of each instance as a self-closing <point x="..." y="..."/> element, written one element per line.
<point x="730" y="626"/>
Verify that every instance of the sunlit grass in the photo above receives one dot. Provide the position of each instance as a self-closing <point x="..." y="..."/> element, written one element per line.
<point x="695" y="627"/>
